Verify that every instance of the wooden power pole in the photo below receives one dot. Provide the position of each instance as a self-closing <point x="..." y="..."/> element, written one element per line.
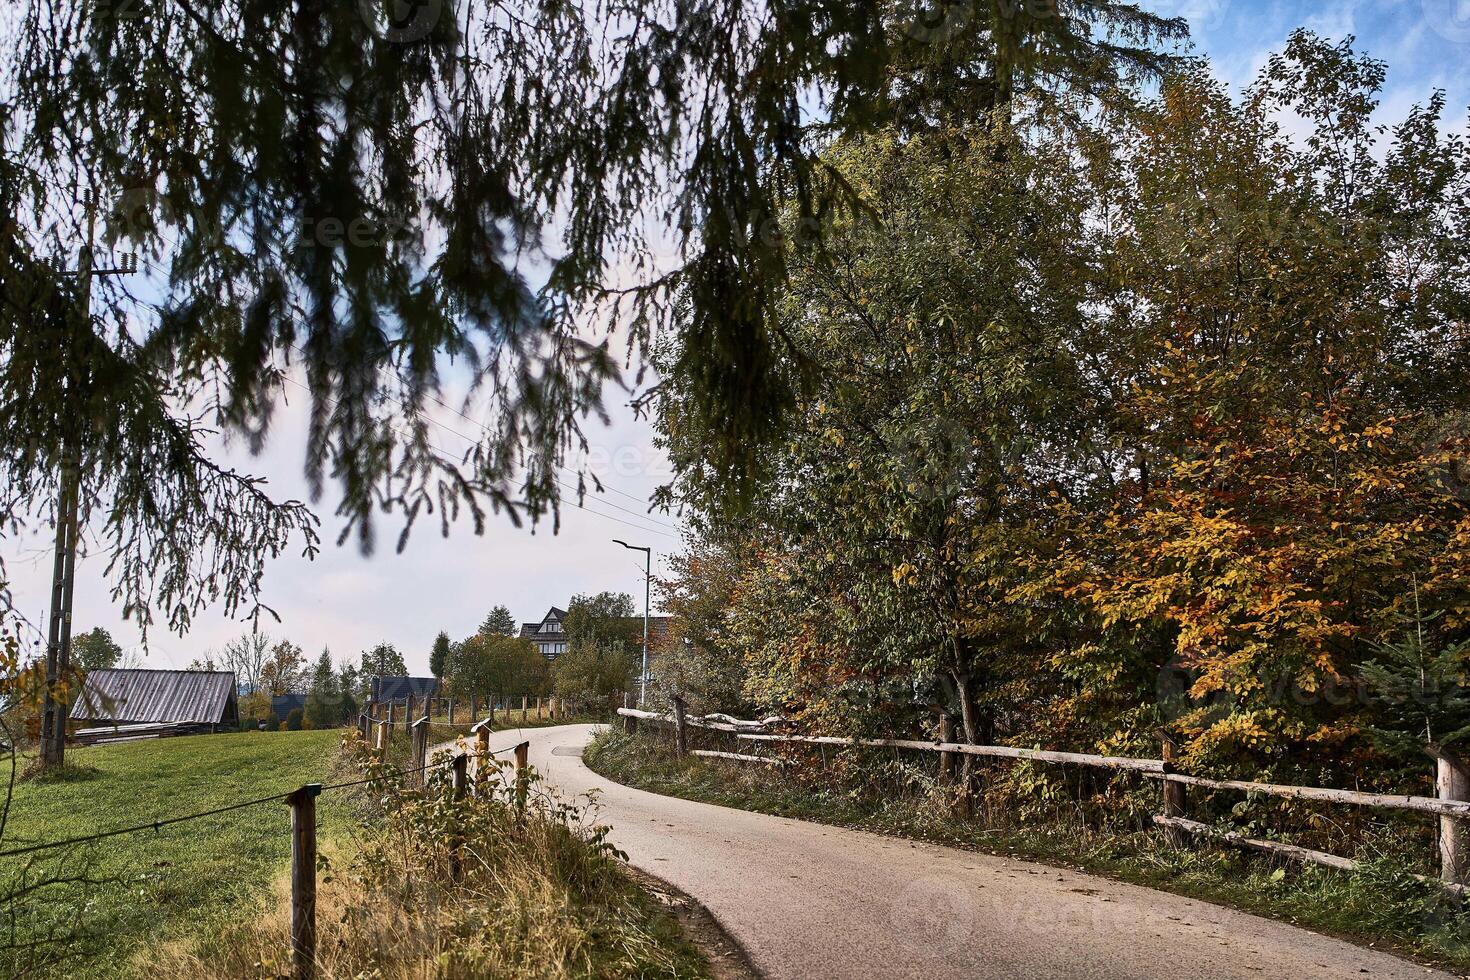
<point x="63" y="573"/>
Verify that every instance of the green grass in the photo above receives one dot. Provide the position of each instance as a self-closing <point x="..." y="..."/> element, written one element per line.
<point x="1382" y="904"/>
<point x="155" y="885"/>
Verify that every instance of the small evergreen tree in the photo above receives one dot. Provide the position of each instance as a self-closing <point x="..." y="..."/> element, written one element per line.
<point x="1416" y="693"/>
<point x="498" y="622"/>
<point x="294" y="720"/>
<point x="440" y="656"/>
<point x="324" y="700"/>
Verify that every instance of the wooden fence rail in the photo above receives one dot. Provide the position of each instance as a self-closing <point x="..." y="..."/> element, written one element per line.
<point x="1451" y="805"/>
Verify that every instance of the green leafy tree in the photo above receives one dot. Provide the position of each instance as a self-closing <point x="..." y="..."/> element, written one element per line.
<point x="383" y="660"/>
<point x="441" y="656"/>
<point x="95" y="650"/>
<point x="593" y="671"/>
<point x="499" y="621"/>
<point x="605" y="618"/>
<point x="489" y="664"/>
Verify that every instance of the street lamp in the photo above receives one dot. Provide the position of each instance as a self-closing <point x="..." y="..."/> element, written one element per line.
<point x="647" y="577"/>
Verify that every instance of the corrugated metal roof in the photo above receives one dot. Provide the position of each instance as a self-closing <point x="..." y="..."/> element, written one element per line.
<point x="138" y="696"/>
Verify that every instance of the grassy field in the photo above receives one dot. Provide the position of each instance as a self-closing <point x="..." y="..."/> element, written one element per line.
<point x="185" y="878"/>
<point x="1380" y="905"/>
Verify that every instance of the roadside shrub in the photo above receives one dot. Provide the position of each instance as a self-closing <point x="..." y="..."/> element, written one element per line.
<point x="272" y="722"/>
<point x="294" y="720"/>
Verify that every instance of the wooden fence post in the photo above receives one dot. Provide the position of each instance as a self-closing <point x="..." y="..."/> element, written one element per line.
<point x="681" y="730"/>
<point x="539" y="715"/>
<point x="1452" y="782"/>
<point x="630" y="724"/>
<point x="303" y="880"/>
<point x="1174" y="793"/>
<point x="474" y="707"/>
<point x="459" y="784"/>
<point x="482" y="753"/>
<point x="522" y="777"/>
<point x="491" y="714"/>
<point x="451" y="711"/>
<point x="420" y="749"/>
<point x="946" y="759"/>
<point x="524" y="718"/>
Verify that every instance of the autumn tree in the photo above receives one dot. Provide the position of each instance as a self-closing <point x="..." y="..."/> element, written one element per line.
<point x="284" y="672"/>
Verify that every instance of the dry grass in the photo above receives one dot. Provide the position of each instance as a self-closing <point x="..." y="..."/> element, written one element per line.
<point x="539" y="896"/>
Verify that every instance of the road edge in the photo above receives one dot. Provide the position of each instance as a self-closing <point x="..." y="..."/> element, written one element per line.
<point x="727" y="958"/>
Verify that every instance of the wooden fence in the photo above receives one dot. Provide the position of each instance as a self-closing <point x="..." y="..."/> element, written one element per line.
<point x="507" y="709"/>
<point x="1451" y="804"/>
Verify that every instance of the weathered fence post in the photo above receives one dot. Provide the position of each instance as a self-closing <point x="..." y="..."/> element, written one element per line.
<point x="451" y="711"/>
<point x="539" y="715"/>
<point x="681" y="730"/>
<point x="459" y="784"/>
<point x="524" y="709"/>
<point x="522" y="777"/>
<point x="420" y="749"/>
<point x="1452" y="782"/>
<point x="946" y="759"/>
<point x="491" y="713"/>
<point x="474" y="706"/>
<point x="630" y="724"/>
<point x="461" y="775"/>
<point x="482" y="752"/>
<point x="362" y="725"/>
<point x="303" y="880"/>
<point x="1174" y="793"/>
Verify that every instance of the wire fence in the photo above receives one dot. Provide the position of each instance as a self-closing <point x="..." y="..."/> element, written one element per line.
<point x="455" y="758"/>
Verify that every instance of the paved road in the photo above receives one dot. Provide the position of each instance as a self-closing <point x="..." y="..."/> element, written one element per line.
<point x="808" y="901"/>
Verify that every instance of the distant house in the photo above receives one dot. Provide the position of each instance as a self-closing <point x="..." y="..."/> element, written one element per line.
<point x="381" y="688"/>
<point x="549" y="635"/>
<point x="144" y="703"/>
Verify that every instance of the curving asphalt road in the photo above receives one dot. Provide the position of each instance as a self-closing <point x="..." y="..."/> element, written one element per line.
<point x="808" y="901"/>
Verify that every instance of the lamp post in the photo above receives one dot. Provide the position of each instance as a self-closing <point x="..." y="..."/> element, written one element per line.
<point x="647" y="577"/>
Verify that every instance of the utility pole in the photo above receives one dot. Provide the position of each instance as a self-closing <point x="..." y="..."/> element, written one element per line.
<point x="647" y="580"/>
<point x="63" y="572"/>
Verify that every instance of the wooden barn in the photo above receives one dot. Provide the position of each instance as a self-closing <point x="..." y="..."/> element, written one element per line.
<point x="129" y="703"/>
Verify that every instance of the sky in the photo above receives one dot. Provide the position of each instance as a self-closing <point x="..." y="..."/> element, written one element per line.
<point x="348" y="602"/>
